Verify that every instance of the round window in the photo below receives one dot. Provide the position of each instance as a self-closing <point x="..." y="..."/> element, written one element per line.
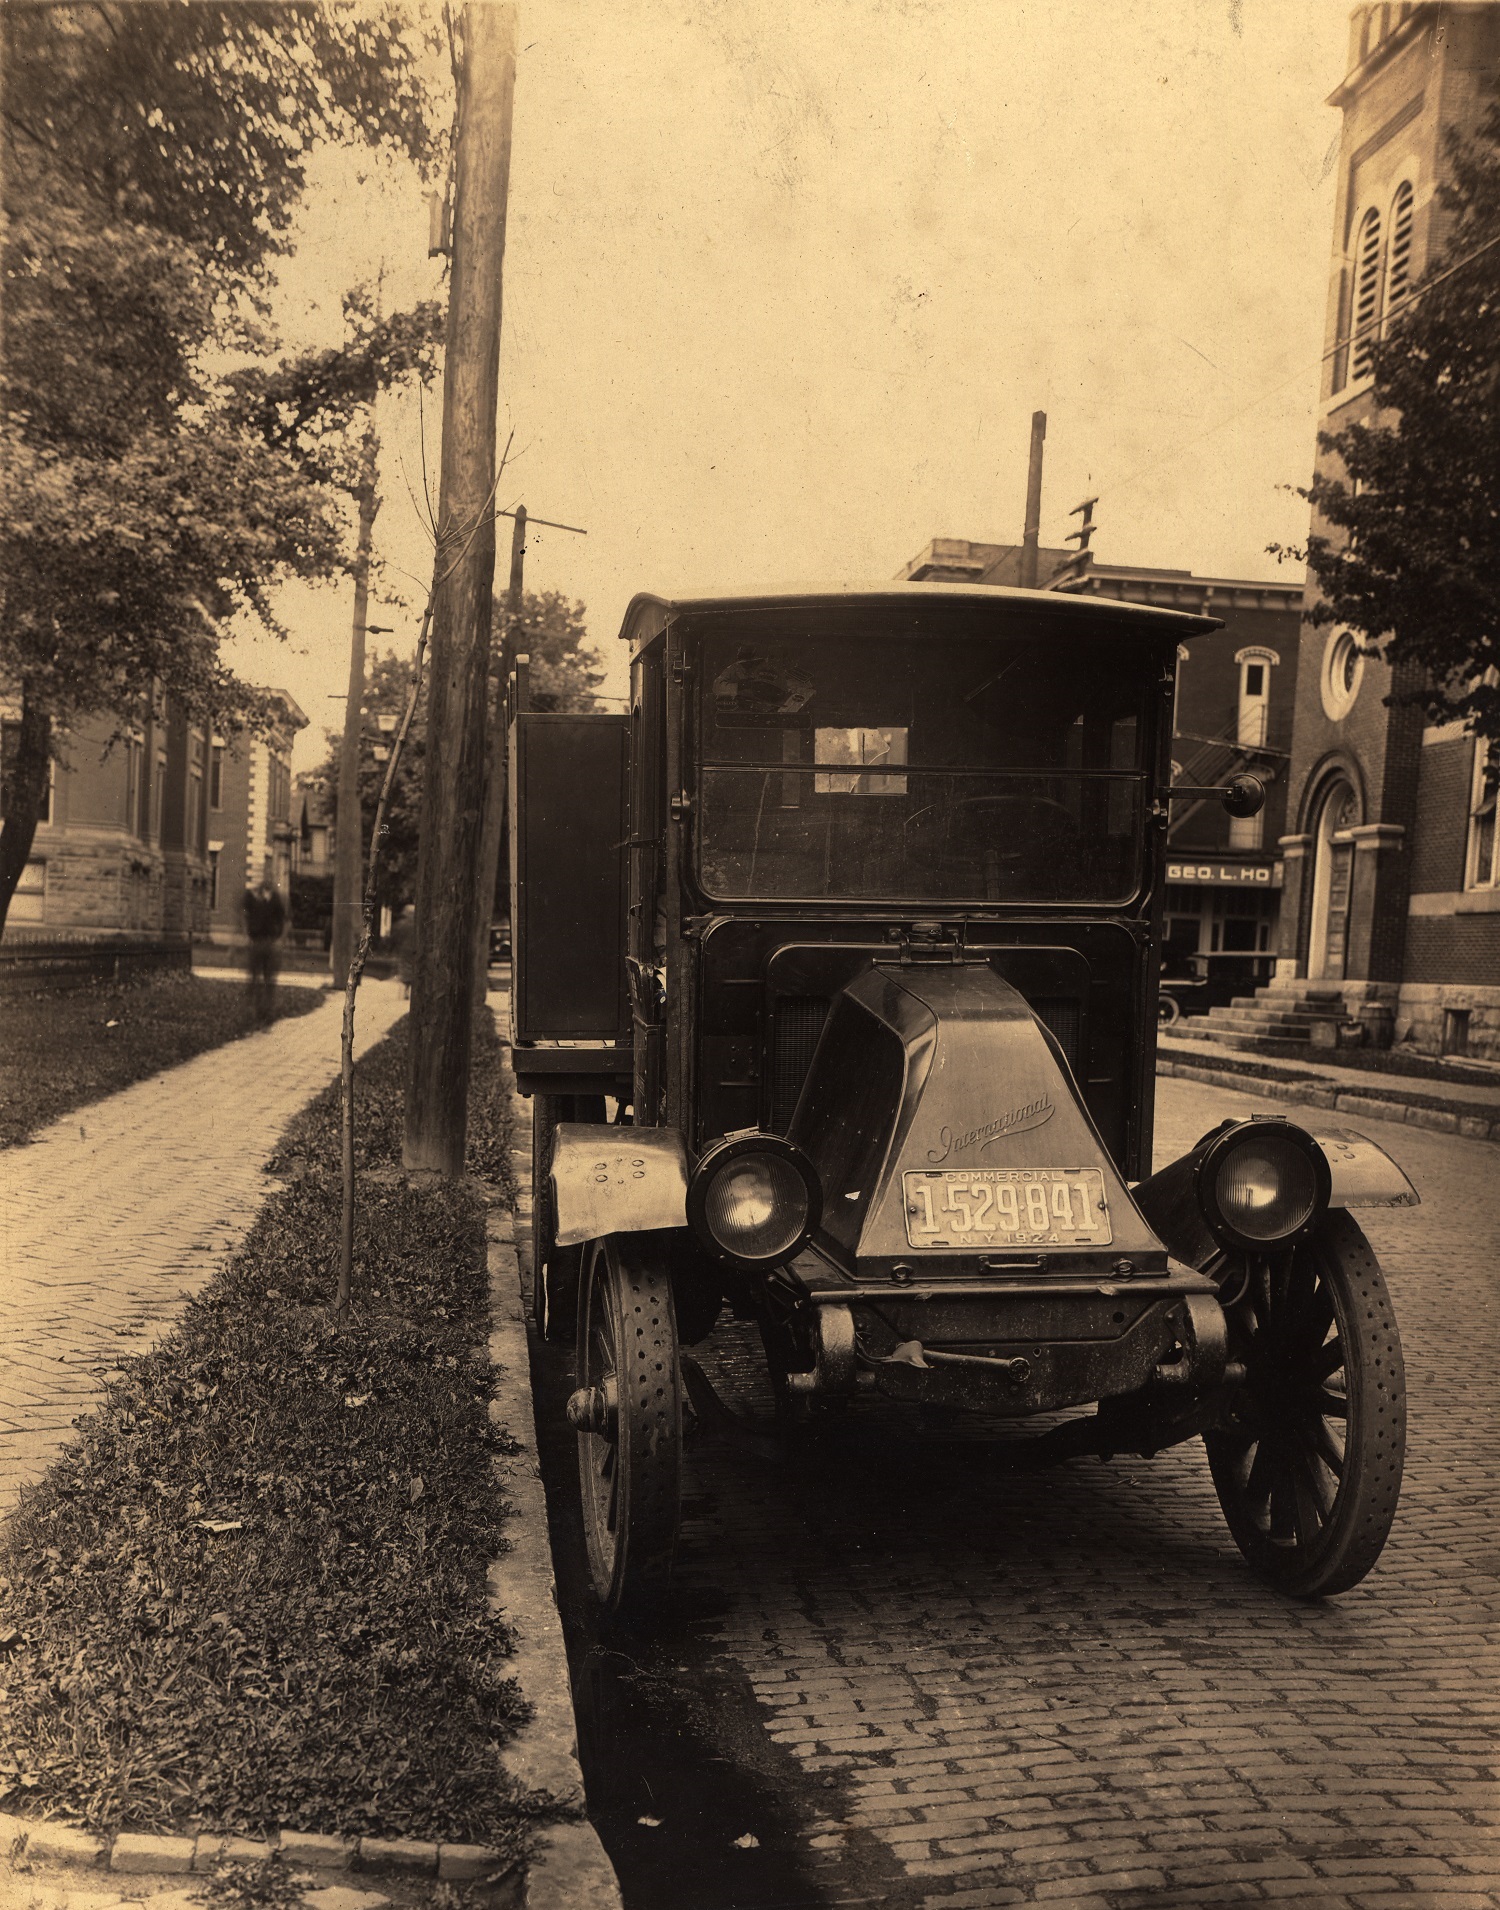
<point x="1343" y="669"/>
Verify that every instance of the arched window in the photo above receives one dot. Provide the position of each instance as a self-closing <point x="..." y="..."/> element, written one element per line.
<point x="1366" y="293"/>
<point x="1398" y="264"/>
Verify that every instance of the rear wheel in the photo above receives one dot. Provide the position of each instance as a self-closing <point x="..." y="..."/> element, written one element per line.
<point x="1308" y="1470"/>
<point x="627" y="1412"/>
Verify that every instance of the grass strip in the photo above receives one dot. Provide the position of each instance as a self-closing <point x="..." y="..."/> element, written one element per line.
<point x="252" y="1594"/>
<point x="61" y="1051"/>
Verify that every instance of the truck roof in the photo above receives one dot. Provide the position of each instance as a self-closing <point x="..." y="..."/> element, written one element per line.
<point x="648" y="613"/>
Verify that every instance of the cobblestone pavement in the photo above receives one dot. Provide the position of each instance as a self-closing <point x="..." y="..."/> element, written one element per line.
<point x="118" y="1212"/>
<point x="1064" y="1687"/>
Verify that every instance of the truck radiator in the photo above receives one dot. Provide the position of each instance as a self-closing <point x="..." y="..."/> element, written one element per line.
<point x="794" y="1034"/>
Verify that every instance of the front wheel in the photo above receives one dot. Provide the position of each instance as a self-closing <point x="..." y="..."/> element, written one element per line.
<point x="627" y="1412"/>
<point x="1168" y="1010"/>
<point x="1308" y="1468"/>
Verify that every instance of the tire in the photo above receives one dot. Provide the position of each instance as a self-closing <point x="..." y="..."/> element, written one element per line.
<point x="1308" y="1468"/>
<point x="1168" y="1010"/>
<point x="627" y="1412"/>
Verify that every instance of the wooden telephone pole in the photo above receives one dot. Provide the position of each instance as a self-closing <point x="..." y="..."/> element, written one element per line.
<point x="1031" y="535"/>
<point x="437" y="1088"/>
<point x="347" y="868"/>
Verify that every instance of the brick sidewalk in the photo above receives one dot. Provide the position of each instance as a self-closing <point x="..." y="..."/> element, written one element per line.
<point x="117" y="1213"/>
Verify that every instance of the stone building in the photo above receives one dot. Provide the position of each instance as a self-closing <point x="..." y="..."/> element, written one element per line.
<point x="1235" y="696"/>
<point x="1392" y="885"/>
<point x="120" y="851"/>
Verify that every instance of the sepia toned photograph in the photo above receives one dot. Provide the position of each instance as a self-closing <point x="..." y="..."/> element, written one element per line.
<point x="749" y="954"/>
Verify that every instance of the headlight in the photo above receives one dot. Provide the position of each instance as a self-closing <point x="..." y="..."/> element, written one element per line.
<point x="754" y="1198"/>
<point x="1263" y="1183"/>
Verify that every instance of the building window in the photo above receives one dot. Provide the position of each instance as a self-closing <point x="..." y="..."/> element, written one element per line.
<point x="1343" y="672"/>
<point x="1366" y="294"/>
<point x="216" y="775"/>
<point x="135" y="754"/>
<point x="1480" y="871"/>
<point x="197" y="745"/>
<point x="213" y="878"/>
<point x="10" y="742"/>
<point x="1398" y="266"/>
<point x="158" y="795"/>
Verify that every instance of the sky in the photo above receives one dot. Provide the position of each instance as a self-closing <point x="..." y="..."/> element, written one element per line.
<point x="785" y="280"/>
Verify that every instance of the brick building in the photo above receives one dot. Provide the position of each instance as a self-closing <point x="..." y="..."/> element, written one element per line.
<point x="254" y="829"/>
<point x="1235" y="696"/>
<point x="120" y="851"/>
<point x="157" y="833"/>
<point x="1392" y="889"/>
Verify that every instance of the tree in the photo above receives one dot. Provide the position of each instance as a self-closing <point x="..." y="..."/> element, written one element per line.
<point x="551" y="631"/>
<point x="388" y="682"/>
<point x="563" y="677"/>
<point x="1411" y="556"/>
<point x="153" y="156"/>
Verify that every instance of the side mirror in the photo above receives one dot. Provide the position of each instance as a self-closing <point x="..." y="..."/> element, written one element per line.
<point x="1244" y="796"/>
<point x="1241" y="795"/>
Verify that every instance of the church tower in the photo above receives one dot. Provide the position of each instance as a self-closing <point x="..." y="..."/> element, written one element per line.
<point x="1379" y="807"/>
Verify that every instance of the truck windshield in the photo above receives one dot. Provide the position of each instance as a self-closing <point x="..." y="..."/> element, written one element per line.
<point x="924" y="769"/>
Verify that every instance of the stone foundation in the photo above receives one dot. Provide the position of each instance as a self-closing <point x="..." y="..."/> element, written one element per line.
<point x="1423" y="1019"/>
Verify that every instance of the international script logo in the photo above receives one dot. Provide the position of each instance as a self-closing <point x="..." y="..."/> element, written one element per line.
<point x="1018" y="1121"/>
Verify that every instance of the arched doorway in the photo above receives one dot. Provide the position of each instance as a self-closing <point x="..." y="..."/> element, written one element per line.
<point x="1333" y="871"/>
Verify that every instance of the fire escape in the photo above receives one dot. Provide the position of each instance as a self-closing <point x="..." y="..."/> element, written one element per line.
<point x="1215" y="759"/>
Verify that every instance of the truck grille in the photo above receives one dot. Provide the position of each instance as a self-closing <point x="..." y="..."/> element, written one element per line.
<point x="798" y="1023"/>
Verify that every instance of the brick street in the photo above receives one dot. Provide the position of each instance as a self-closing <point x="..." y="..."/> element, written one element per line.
<point x="117" y="1213"/>
<point x="1064" y="1687"/>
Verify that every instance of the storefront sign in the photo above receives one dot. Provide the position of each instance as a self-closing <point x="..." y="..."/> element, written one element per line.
<point x="1227" y="875"/>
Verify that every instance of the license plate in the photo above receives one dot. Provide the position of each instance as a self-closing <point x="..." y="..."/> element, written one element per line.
<point x="1021" y="1207"/>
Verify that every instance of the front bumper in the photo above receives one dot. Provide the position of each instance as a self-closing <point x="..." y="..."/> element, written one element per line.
<point x="1008" y="1345"/>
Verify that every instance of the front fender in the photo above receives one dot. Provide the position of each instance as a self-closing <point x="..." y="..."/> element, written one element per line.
<point x="1362" y="1174"/>
<point x="616" y="1180"/>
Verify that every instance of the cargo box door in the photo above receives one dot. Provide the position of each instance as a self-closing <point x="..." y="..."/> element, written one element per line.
<point x="568" y="831"/>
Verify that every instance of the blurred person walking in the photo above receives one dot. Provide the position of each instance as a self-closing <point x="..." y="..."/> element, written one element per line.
<point x="265" y="922"/>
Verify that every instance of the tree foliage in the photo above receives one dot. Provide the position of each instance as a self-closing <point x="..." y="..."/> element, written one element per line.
<point x="565" y="670"/>
<point x="153" y="157"/>
<point x="1405" y="546"/>
<point x="387" y="686"/>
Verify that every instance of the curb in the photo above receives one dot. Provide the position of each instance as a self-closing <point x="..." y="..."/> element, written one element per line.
<point x="569" y="1869"/>
<point x="1315" y="1091"/>
<point x="137" y="1853"/>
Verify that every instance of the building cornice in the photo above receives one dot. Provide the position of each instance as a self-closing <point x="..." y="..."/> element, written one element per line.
<point x="1400" y="36"/>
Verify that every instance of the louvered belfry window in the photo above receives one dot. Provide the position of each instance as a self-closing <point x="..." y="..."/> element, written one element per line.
<point x="1398" y="266"/>
<point x="1366" y="293"/>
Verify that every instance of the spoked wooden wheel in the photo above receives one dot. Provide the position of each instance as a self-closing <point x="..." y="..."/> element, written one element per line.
<point x="1308" y="1470"/>
<point x="627" y="1412"/>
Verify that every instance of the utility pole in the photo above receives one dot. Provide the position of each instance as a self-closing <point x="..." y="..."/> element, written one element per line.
<point x="1076" y="566"/>
<point x="437" y="1087"/>
<point x="1030" y="541"/>
<point x="347" y="886"/>
<point x="501" y="656"/>
<point x="497" y="768"/>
